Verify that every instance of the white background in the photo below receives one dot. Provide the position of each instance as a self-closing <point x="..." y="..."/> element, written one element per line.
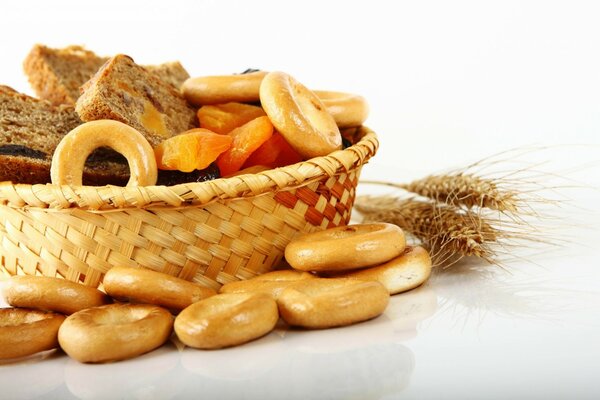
<point x="449" y="82"/>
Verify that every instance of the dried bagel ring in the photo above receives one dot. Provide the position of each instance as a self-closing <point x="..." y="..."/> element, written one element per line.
<point x="271" y="283"/>
<point x="114" y="332"/>
<point x="72" y="151"/>
<point x="405" y="272"/>
<point x="242" y="88"/>
<point x="299" y="115"/>
<point x="150" y="287"/>
<point x="24" y="332"/>
<point x="325" y="303"/>
<point x="53" y="294"/>
<point x="226" y="320"/>
<point x="346" y="247"/>
<point x="348" y="110"/>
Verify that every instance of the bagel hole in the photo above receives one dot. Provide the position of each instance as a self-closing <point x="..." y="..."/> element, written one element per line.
<point x="103" y="166"/>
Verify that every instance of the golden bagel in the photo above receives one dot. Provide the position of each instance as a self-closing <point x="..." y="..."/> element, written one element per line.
<point x="53" y="294"/>
<point x="226" y="320"/>
<point x="140" y="285"/>
<point x="299" y="115"/>
<point x="24" y="332"/>
<point x="114" y="332"/>
<point x="271" y="283"/>
<point x="405" y="272"/>
<point x="325" y="303"/>
<point x="242" y="88"/>
<point x="346" y="247"/>
<point x="75" y="147"/>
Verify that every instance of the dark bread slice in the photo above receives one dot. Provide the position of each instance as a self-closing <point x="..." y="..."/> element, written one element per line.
<point x="170" y="72"/>
<point x="124" y="91"/>
<point x="57" y="75"/>
<point x="30" y="130"/>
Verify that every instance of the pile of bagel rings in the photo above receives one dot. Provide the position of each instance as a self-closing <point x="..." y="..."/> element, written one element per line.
<point x="339" y="276"/>
<point x="309" y="121"/>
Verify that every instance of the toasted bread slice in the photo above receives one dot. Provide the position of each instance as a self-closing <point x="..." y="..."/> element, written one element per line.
<point x="30" y="130"/>
<point x="57" y="75"/>
<point x="127" y="92"/>
<point x="170" y="72"/>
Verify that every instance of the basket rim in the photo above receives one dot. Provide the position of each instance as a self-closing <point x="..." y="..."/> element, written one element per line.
<point x="197" y="193"/>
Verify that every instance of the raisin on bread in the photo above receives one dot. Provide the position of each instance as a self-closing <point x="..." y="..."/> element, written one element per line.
<point x="124" y="91"/>
<point x="30" y="130"/>
<point x="57" y="75"/>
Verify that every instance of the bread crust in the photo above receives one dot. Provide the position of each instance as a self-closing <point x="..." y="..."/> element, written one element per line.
<point x="129" y="93"/>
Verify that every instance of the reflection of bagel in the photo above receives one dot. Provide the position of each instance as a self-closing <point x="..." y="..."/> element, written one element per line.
<point x="72" y="151"/>
<point x="114" y="332"/>
<point x="378" y="331"/>
<point x="24" y="332"/>
<point x="150" y="287"/>
<point x="15" y="379"/>
<point x="326" y="303"/>
<point x="253" y="360"/>
<point x="53" y="294"/>
<point x="408" y="309"/>
<point x="370" y="372"/>
<point x="130" y="378"/>
<point x="346" y="247"/>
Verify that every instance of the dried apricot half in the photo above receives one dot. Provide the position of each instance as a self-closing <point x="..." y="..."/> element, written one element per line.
<point x="246" y="139"/>
<point x="275" y="152"/>
<point x="191" y="150"/>
<point x="223" y="118"/>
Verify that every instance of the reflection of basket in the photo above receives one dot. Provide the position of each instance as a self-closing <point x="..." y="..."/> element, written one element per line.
<point x="211" y="232"/>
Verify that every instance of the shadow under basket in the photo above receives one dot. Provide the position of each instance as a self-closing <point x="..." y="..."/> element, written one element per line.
<point x="209" y="232"/>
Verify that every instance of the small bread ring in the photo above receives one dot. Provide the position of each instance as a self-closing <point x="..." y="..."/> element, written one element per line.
<point x="346" y="247"/>
<point x="299" y="115"/>
<point x="24" y="332"/>
<point x="53" y="294"/>
<point x="405" y="272"/>
<point x="72" y="151"/>
<point x="114" y="332"/>
<point x="271" y="283"/>
<point x="325" y="303"/>
<point x="226" y="320"/>
<point x="348" y="110"/>
<point x="242" y="88"/>
<point x="140" y="285"/>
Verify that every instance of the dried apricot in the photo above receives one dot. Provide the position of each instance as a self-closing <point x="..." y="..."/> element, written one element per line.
<point x="275" y="152"/>
<point x="246" y="139"/>
<point x="223" y="118"/>
<point x="191" y="150"/>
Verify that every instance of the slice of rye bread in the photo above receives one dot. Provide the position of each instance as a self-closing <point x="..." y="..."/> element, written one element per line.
<point x="30" y="130"/>
<point x="57" y="75"/>
<point x="170" y="72"/>
<point x="124" y="91"/>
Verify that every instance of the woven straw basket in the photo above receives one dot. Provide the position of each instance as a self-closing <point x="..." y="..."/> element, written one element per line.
<point x="210" y="232"/>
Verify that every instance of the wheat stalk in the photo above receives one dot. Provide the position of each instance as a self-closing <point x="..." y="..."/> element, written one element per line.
<point x="462" y="190"/>
<point x="449" y="232"/>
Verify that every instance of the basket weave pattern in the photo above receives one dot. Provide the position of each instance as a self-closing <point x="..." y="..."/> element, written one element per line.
<point x="211" y="233"/>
